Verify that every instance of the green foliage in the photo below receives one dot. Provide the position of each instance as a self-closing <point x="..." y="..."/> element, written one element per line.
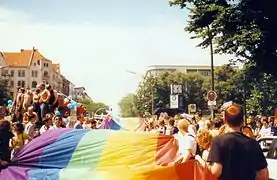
<point x="127" y="106"/>
<point x="4" y="94"/>
<point x="246" y="29"/>
<point x="93" y="106"/>
<point x="158" y="87"/>
<point x="226" y="85"/>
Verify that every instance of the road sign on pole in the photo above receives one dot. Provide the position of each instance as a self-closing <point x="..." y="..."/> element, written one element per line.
<point x="211" y="103"/>
<point x="211" y="96"/>
<point x="192" y="108"/>
<point x="174" y="101"/>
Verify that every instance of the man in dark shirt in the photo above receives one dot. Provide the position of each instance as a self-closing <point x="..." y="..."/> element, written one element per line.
<point x="234" y="156"/>
<point x="5" y="137"/>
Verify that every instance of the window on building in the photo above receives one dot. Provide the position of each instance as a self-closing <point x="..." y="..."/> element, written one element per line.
<point x="45" y="64"/>
<point x="11" y="83"/>
<point x="34" y="84"/>
<point x="191" y="70"/>
<point x="12" y="94"/>
<point x="21" y="73"/>
<point x="12" y="73"/>
<point x="38" y="62"/>
<point x="6" y="83"/>
<point x="45" y="73"/>
<point x="204" y="72"/>
<point x="21" y="83"/>
<point x="34" y="73"/>
<point x="6" y="72"/>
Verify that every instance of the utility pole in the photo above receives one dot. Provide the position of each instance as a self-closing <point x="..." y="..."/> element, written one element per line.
<point x="152" y="92"/>
<point x="212" y="64"/>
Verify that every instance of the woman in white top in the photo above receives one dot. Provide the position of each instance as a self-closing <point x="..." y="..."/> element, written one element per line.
<point x="57" y="123"/>
<point x="266" y="129"/>
<point x="47" y="123"/>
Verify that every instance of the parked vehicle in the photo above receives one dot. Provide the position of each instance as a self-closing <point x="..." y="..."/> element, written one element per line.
<point x="269" y="147"/>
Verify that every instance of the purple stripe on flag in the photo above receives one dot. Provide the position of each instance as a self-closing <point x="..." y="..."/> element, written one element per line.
<point x="112" y="124"/>
<point x="29" y="156"/>
<point x="14" y="173"/>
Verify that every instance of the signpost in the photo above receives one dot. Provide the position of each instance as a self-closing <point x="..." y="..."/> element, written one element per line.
<point x="212" y="96"/>
<point x="174" y="101"/>
<point x="192" y="108"/>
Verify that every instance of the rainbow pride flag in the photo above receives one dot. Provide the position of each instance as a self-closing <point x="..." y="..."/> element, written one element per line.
<point x="69" y="154"/>
<point x="112" y="123"/>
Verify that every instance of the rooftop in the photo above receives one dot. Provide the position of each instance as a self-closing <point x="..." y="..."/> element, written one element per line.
<point x="22" y="58"/>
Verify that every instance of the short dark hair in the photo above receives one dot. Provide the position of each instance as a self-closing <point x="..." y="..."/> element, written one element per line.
<point x="200" y="114"/>
<point x="233" y="115"/>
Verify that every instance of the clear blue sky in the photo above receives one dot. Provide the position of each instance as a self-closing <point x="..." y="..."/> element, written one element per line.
<point x="97" y="41"/>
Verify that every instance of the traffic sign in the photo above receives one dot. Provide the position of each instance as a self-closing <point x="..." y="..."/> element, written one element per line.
<point x="174" y="101"/>
<point x="211" y="103"/>
<point x="192" y="108"/>
<point x="211" y="96"/>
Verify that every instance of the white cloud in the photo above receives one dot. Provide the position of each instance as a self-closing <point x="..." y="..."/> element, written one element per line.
<point x="97" y="56"/>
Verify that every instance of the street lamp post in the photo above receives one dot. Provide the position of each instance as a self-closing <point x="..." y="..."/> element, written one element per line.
<point x="152" y="90"/>
<point x="212" y="64"/>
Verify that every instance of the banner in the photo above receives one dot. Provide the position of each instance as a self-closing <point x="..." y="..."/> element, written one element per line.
<point x="69" y="154"/>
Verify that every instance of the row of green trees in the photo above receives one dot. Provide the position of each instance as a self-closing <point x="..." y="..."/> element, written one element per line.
<point x="244" y="86"/>
<point x="92" y="106"/>
<point x="243" y="28"/>
<point x="4" y="93"/>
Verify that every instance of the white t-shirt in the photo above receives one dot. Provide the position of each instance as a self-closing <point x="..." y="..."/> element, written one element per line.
<point x="265" y="131"/>
<point x="202" y="124"/>
<point x="30" y="129"/>
<point x="43" y="129"/>
<point x="54" y="127"/>
<point x="186" y="142"/>
<point x="192" y="130"/>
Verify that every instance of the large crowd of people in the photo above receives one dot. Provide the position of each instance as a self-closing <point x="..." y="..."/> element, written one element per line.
<point x="226" y="145"/>
<point x="34" y="112"/>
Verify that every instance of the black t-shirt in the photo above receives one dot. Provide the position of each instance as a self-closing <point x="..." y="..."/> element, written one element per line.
<point x="4" y="145"/>
<point x="240" y="156"/>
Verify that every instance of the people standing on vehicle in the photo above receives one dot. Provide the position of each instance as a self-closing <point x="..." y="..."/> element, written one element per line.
<point x="234" y="156"/>
<point x="44" y="100"/>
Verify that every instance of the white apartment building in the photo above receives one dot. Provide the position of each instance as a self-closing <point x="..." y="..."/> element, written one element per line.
<point x="155" y="70"/>
<point x="80" y="93"/>
<point x="28" y="68"/>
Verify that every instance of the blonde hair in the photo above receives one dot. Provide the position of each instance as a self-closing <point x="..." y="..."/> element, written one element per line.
<point x="183" y="124"/>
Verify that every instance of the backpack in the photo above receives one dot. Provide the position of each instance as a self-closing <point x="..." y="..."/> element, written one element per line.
<point x="198" y="149"/>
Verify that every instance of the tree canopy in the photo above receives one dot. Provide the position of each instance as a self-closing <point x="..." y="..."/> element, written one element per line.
<point x="4" y="93"/>
<point x="127" y="106"/>
<point x="245" y="86"/>
<point x="158" y="89"/>
<point x="244" y="28"/>
<point x="93" y="106"/>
